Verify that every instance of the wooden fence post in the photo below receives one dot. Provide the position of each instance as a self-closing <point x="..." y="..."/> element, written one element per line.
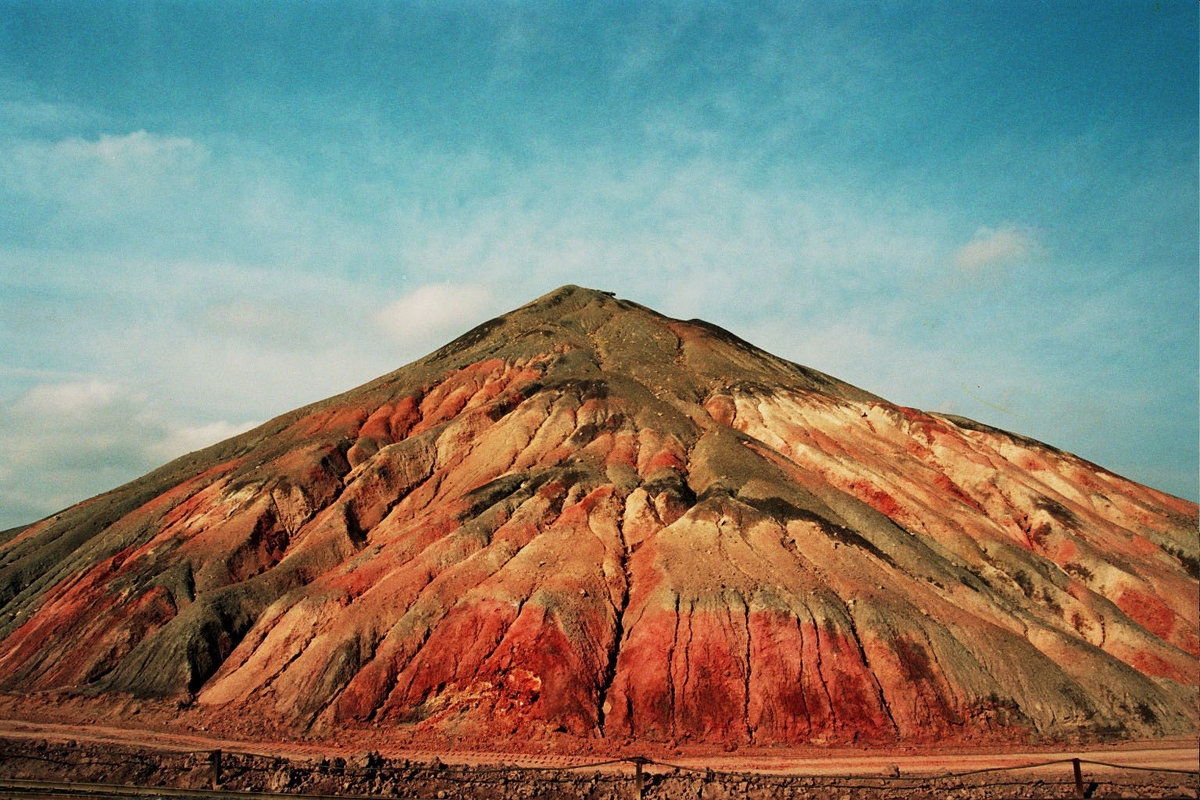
<point x="1078" y="777"/>
<point x="638" y="777"/>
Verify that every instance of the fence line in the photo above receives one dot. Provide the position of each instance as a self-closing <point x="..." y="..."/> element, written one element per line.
<point x="346" y="768"/>
<point x="340" y="766"/>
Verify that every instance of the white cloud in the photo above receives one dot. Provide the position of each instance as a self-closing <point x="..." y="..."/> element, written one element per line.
<point x="65" y="402"/>
<point x="137" y="150"/>
<point x="62" y="443"/>
<point x="75" y="169"/>
<point x="128" y="193"/>
<point x="171" y="198"/>
<point x="431" y="312"/>
<point x="995" y="247"/>
<point x="189" y="438"/>
<point x="19" y="114"/>
<point x="681" y="235"/>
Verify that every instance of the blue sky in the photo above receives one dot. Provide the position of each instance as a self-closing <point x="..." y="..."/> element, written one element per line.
<point x="214" y="212"/>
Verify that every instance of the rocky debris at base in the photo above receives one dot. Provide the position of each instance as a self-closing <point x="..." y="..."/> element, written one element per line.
<point x="371" y="774"/>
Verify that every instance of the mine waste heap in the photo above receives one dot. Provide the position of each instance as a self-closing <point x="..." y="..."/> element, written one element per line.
<point x="583" y="521"/>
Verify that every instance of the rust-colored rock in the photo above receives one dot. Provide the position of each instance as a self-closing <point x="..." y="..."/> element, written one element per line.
<point x="586" y="521"/>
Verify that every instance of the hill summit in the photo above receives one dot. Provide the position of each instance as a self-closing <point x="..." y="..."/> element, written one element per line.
<point x="583" y="520"/>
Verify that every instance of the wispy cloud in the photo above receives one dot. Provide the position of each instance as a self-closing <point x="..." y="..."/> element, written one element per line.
<point x="27" y="115"/>
<point x="102" y="172"/>
<point x="430" y="313"/>
<point x="63" y="442"/>
<point x="996" y="248"/>
<point x="182" y="439"/>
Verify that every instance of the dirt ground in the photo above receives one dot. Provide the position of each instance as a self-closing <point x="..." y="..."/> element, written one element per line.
<point x="95" y="753"/>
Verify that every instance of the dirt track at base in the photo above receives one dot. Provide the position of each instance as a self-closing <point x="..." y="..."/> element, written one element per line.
<point x="1176" y="754"/>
